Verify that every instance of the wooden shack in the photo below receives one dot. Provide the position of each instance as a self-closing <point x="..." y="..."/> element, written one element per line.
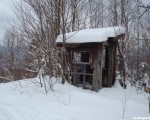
<point x="92" y="55"/>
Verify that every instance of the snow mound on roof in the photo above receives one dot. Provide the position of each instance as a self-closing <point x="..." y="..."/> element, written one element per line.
<point x="91" y="35"/>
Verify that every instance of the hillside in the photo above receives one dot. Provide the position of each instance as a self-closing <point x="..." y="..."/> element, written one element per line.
<point x="23" y="100"/>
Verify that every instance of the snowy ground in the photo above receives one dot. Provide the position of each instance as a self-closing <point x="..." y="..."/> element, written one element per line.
<point x="25" y="101"/>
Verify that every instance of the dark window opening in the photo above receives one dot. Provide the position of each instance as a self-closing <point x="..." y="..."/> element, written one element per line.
<point x="81" y="56"/>
<point x="82" y="74"/>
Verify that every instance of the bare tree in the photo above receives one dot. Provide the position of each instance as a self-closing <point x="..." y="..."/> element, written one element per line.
<point x="13" y="52"/>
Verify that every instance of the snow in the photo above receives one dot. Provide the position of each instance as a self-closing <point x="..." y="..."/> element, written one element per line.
<point x="91" y="35"/>
<point x="23" y="100"/>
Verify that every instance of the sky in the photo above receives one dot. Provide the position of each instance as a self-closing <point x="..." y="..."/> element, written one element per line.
<point x="6" y="12"/>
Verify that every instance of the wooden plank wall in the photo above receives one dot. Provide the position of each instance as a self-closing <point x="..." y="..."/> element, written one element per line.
<point x="97" y="73"/>
<point x="114" y="57"/>
<point x="111" y="63"/>
<point x="97" y="61"/>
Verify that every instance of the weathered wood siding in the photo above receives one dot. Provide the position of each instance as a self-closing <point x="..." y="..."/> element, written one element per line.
<point x="112" y="62"/>
<point x="96" y="49"/>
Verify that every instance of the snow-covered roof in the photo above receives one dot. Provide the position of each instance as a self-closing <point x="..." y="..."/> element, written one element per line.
<point x="91" y="35"/>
